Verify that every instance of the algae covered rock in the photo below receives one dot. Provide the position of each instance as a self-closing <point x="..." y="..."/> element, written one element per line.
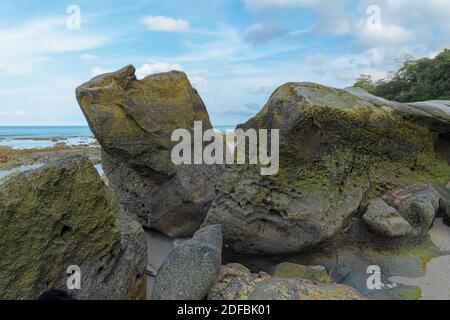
<point x="292" y="270"/>
<point x="236" y="282"/>
<point x="62" y="215"/>
<point x="385" y="220"/>
<point x="191" y="268"/>
<point x="298" y="289"/>
<point x="133" y="121"/>
<point x="337" y="149"/>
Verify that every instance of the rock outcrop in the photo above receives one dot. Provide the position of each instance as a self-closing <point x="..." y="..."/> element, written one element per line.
<point x="238" y="283"/>
<point x="338" y="148"/>
<point x="62" y="215"/>
<point x="191" y="268"/>
<point x="133" y="121"/>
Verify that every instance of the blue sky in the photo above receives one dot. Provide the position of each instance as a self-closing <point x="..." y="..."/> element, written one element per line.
<point x="235" y="52"/>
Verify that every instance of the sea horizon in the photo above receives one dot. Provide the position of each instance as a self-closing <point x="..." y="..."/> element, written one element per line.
<point x="41" y="136"/>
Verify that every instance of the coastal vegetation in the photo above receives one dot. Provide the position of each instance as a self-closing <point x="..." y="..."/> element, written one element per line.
<point x="416" y="80"/>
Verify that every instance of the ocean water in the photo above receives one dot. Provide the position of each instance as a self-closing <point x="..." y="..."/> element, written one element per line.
<point x="28" y="137"/>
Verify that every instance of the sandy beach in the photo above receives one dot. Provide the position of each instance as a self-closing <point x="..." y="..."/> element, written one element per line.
<point x="435" y="284"/>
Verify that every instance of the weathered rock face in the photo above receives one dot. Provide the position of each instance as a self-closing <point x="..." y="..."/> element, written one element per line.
<point x="62" y="215"/>
<point x="386" y="221"/>
<point x="191" y="268"/>
<point x="419" y="205"/>
<point x="237" y="283"/>
<point x="133" y="121"/>
<point x="336" y="149"/>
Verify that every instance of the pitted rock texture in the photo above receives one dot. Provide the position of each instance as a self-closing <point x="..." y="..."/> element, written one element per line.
<point x="337" y="150"/>
<point x="133" y="121"/>
<point x="191" y="268"/>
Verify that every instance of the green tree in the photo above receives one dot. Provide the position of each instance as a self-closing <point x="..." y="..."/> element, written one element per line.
<point x="416" y="80"/>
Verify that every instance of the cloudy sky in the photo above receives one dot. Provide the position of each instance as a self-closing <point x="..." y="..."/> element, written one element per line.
<point x="235" y="52"/>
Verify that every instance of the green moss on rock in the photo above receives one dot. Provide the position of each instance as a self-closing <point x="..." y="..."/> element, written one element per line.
<point x="54" y="217"/>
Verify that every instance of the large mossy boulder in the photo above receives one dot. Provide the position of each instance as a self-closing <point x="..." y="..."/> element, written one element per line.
<point x="337" y="149"/>
<point x="133" y="121"/>
<point x="62" y="215"/>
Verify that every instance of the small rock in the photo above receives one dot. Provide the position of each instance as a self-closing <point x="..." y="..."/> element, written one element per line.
<point x="385" y="220"/>
<point x="299" y="289"/>
<point x="291" y="270"/>
<point x="418" y="205"/>
<point x="235" y="282"/>
<point x="191" y="268"/>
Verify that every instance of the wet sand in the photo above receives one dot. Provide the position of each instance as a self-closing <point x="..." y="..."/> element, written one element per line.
<point x="158" y="248"/>
<point x="435" y="284"/>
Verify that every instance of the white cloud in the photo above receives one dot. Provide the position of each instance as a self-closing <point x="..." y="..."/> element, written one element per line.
<point x="196" y="78"/>
<point x="89" y="57"/>
<point x="96" y="71"/>
<point x="157" y="67"/>
<point x="27" y="46"/>
<point x="384" y="35"/>
<point x="166" y="24"/>
<point x="197" y="81"/>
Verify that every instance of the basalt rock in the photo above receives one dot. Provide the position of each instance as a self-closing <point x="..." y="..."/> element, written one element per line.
<point x="191" y="268"/>
<point x="133" y="121"/>
<point x="62" y="215"/>
<point x="338" y="148"/>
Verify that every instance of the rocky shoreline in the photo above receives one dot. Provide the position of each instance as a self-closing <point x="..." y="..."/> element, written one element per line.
<point x="362" y="181"/>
